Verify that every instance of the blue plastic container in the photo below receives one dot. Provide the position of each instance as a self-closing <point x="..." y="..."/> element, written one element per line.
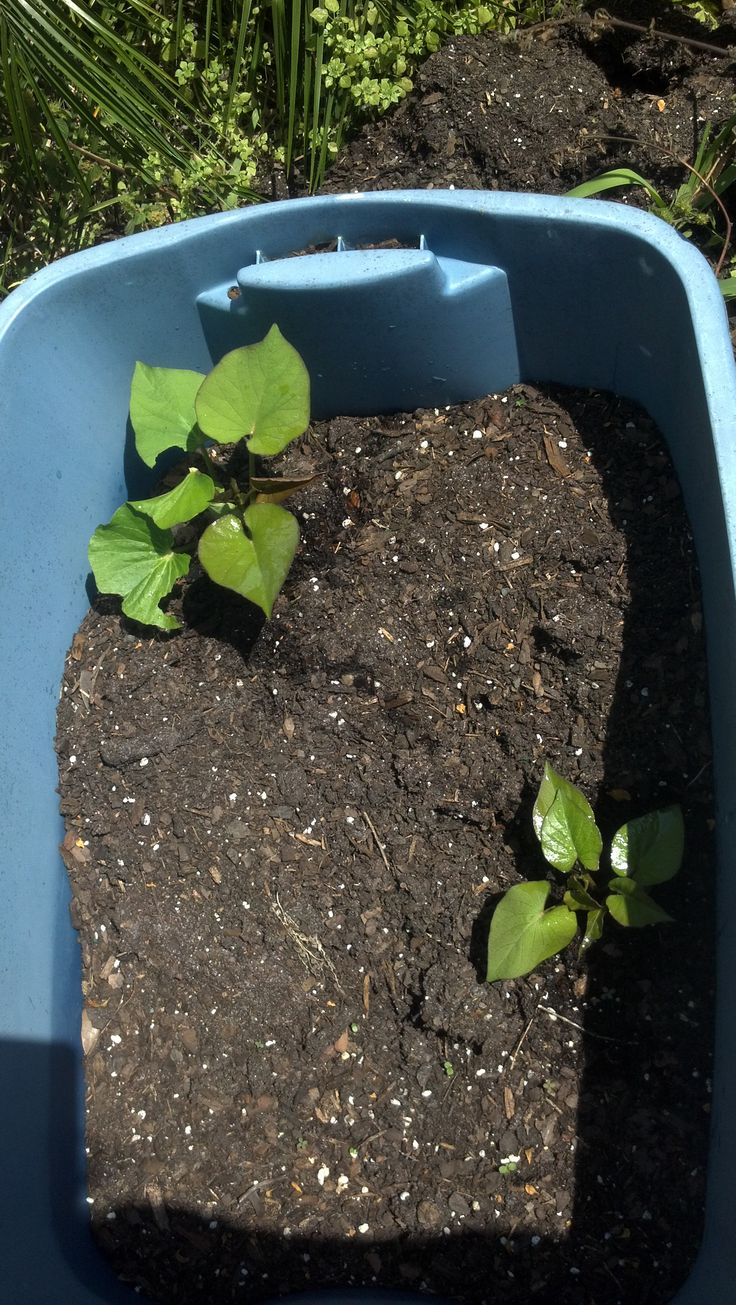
<point x="495" y="289"/>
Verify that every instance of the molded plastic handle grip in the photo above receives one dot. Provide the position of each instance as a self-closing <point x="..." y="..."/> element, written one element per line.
<point x="322" y="302"/>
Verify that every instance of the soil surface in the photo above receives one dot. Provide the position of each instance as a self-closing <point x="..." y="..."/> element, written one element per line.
<point x="549" y="108"/>
<point x="285" y="845"/>
<point x="285" y="841"/>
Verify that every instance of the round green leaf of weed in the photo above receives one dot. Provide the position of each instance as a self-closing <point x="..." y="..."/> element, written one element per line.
<point x="259" y="393"/>
<point x="255" y="567"/>
<point x="522" y="933"/>
<point x="130" y="556"/>
<point x="635" y="909"/>
<point x="551" y="785"/>
<point x="650" y="848"/>
<point x="162" y="410"/>
<point x="185" y="501"/>
<point x="570" y="835"/>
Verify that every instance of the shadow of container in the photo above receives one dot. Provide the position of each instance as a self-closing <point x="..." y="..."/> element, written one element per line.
<point x="497" y="288"/>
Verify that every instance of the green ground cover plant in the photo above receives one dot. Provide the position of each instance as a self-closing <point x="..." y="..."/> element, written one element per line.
<point x="257" y="395"/>
<point x="644" y="852"/>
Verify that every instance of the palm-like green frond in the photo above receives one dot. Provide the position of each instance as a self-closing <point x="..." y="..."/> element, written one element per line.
<point x="68" y="51"/>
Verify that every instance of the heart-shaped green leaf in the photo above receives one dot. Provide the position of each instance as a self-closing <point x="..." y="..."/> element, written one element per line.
<point x="632" y="907"/>
<point x="259" y="393"/>
<point x="522" y="933"/>
<point x="650" y="848"/>
<point x="185" y="501"/>
<point x="569" y="834"/>
<point x="130" y="556"/>
<point x="254" y="564"/>
<point x="162" y="410"/>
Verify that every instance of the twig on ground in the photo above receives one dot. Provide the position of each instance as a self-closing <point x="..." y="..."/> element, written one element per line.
<point x="601" y="1037"/>
<point x="379" y="844"/>
<point x="311" y="952"/>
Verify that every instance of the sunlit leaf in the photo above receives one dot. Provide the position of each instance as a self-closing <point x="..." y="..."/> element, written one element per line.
<point x="570" y="835"/>
<point x="182" y="503"/>
<point x="259" y="393"/>
<point x="650" y="848"/>
<point x="523" y="933"/>
<point x="254" y="564"/>
<point x="132" y="557"/>
<point x="162" y="410"/>
<point x="551" y="785"/>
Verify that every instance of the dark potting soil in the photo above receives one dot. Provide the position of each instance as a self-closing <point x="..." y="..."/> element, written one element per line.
<point x="547" y="109"/>
<point x="285" y="842"/>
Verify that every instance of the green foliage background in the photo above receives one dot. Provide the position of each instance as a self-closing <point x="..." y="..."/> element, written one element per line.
<point x="117" y="115"/>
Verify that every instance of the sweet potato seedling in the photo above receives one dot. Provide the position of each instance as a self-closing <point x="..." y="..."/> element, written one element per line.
<point x="644" y="852"/>
<point x="258" y="395"/>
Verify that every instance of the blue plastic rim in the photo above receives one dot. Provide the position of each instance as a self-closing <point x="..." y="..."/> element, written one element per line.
<point x="491" y="289"/>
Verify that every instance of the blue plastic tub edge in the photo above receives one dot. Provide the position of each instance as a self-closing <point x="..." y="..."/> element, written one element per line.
<point x="590" y="294"/>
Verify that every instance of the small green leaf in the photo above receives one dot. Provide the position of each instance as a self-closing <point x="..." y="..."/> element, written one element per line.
<point x="162" y="410"/>
<point x="259" y="393"/>
<point x="593" y="928"/>
<point x="551" y="785"/>
<point x="224" y="509"/>
<point x="254" y="566"/>
<point x="650" y="848"/>
<point x="185" y="501"/>
<point x="570" y="835"/>
<point x="522" y="933"/>
<point x="130" y="556"/>
<point x="632" y="907"/>
<point x="577" y="898"/>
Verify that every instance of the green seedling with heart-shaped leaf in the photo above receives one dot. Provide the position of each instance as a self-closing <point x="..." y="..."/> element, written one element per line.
<point x="257" y="395"/>
<point x="644" y="852"/>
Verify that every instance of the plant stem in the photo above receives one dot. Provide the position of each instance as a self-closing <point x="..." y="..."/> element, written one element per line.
<point x="209" y="465"/>
<point x="240" y="501"/>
